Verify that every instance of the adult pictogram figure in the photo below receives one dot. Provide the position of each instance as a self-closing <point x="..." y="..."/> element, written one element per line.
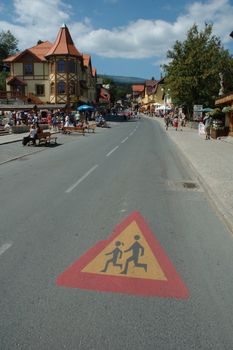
<point x="116" y="254"/>
<point x="137" y="251"/>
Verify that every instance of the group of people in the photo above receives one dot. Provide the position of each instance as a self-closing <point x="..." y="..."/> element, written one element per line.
<point x="175" y="120"/>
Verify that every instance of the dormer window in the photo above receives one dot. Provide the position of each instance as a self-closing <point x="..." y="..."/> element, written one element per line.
<point x="28" y="69"/>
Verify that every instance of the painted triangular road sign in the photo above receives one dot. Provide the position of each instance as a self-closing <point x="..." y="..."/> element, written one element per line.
<point x="131" y="261"/>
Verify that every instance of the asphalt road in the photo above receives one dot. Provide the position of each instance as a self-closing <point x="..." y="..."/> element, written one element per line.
<point x="58" y="203"/>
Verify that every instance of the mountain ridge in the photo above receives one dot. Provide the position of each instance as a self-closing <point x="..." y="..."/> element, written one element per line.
<point x="122" y="79"/>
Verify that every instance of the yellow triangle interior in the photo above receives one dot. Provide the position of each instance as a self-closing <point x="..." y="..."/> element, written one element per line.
<point x="141" y="264"/>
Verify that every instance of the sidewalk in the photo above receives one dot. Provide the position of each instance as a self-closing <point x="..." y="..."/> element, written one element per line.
<point x="4" y="139"/>
<point x="212" y="161"/>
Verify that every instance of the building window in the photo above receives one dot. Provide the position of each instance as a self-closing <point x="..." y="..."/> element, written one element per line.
<point x="52" y="90"/>
<point x="61" y="66"/>
<point x="71" y="67"/>
<point x="61" y="87"/>
<point x="40" y="90"/>
<point x="28" y="68"/>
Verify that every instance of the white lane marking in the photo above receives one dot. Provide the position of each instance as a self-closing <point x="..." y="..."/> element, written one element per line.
<point x="123" y="141"/>
<point x="4" y="247"/>
<point x="113" y="150"/>
<point x="131" y="133"/>
<point x="81" y="179"/>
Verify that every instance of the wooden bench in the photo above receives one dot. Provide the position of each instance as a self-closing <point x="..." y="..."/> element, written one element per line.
<point x="46" y="137"/>
<point x="70" y="129"/>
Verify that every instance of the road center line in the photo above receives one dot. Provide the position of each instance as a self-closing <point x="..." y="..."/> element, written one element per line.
<point x="123" y="141"/>
<point x="71" y="188"/>
<point x="113" y="150"/>
<point x="4" y="247"/>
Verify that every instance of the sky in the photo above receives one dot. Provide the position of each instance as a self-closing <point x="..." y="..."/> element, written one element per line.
<point x="123" y="37"/>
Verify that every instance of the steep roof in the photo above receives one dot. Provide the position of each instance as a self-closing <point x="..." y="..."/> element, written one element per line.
<point x="64" y="44"/>
<point x="11" y="58"/>
<point x="39" y="51"/>
<point x="12" y="79"/>
<point x="151" y="82"/>
<point x="138" y="88"/>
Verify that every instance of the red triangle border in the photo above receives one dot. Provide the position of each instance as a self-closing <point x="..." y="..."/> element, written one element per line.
<point x="174" y="287"/>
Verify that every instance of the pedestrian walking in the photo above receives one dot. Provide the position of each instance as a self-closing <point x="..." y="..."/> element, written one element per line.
<point x="54" y="122"/>
<point x="207" y="122"/>
<point x="176" y="122"/>
<point x="49" y="119"/>
<point x="182" y="121"/>
<point x="167" y="121"/>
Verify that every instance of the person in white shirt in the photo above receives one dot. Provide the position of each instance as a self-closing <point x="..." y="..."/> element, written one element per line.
<point x="32" y="134"/>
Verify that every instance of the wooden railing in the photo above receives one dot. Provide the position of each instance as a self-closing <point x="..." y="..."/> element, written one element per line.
<point x="8" y="94"/>
<point x="11" y="95"/>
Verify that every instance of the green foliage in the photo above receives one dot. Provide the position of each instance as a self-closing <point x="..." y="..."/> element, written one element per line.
<point x="8" y="44"/>
<point x="195" y="64"/>
<point x="3" y="76"/>
<point x="217" y="113"/>
<point x="119" y="91"/>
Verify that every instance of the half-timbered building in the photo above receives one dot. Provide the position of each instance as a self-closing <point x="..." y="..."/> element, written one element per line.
<point x="54" y="73"/>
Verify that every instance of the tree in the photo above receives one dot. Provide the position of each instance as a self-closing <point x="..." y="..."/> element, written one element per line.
<point x="8" y="44"/>
<point x="3" y="76"/>
<point x="193" y="72"/>
<point x="119" y="91"/>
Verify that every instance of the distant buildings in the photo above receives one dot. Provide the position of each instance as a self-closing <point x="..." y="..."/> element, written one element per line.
<point x="150" y="95"/>
<point x="54" y="73"/>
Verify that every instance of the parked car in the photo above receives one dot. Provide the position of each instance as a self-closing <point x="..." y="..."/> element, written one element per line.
<point x="126" y="114"/>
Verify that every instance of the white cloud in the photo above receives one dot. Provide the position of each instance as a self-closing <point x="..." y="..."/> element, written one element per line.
<point x="40" y="21"/>
<point x="139" y="39"/>
<point x="43" y="14"/>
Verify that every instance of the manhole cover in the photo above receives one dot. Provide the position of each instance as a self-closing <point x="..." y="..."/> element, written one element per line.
<point x="183" y="185"/>
<point x="189" y="185"/>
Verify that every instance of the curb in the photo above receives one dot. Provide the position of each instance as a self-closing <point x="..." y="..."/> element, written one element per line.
<point x="19" y="157"/>
<point x="20" y="139"/>
<point x="7" y="142"/>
